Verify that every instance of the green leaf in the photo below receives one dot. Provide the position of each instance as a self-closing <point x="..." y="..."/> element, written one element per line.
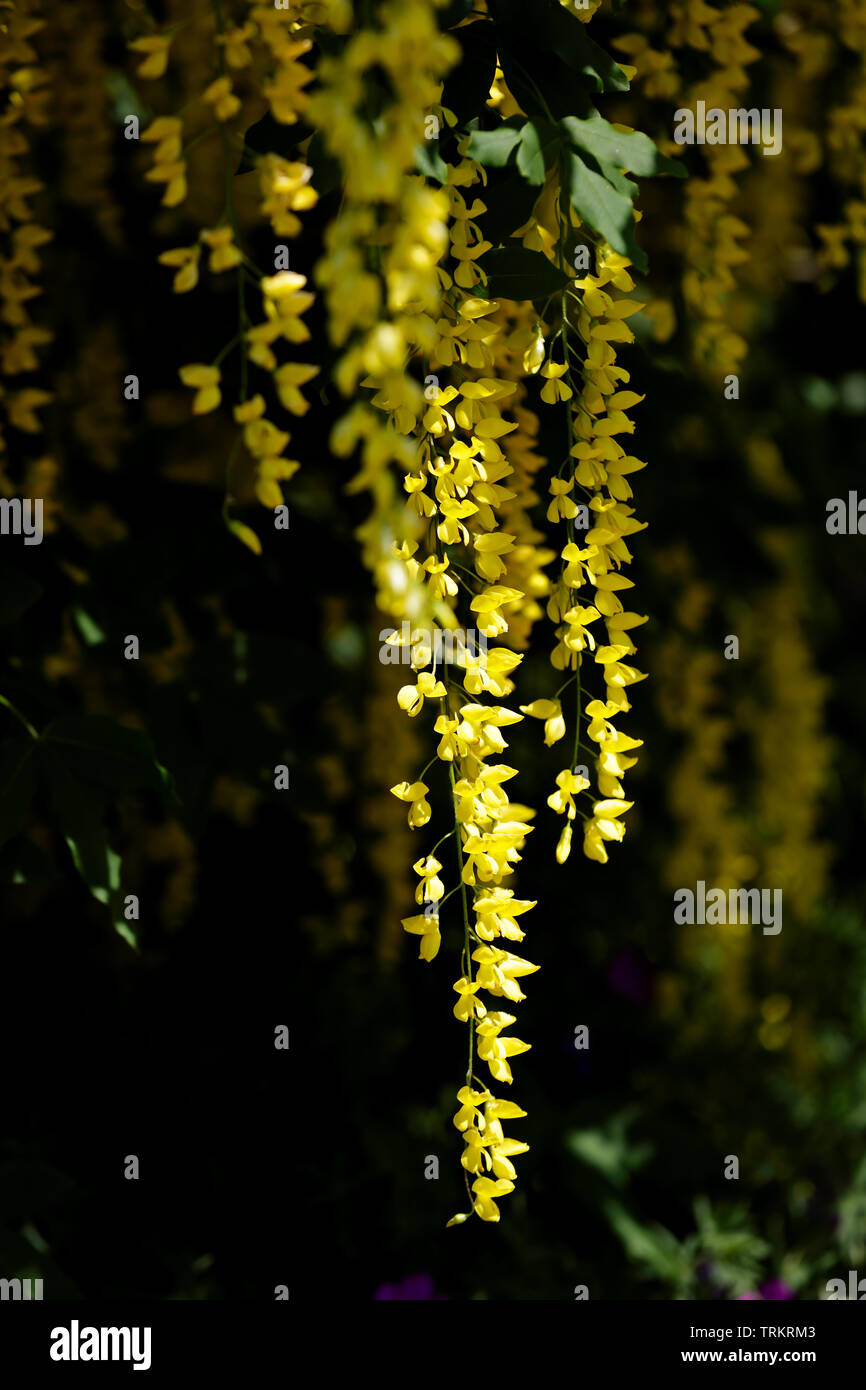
<point x="604" y="208"/>
<point x="91" y="633"/>
<point x="611" y="1150"/>
<point x="528" y="91"/>
<point x="632" y="151"/>
<point x="17" y="783"/>
<point x="125" y="101"/>
<point x="516" y="273"/>
<point x="538" y="150"/>
<point x="493" y="148"/>
<point x="542" y="84"/>
<point x="80" y="811"/>
<point x="652" y="1246"/>
<point x="551" y="29"/>
<point x="98" y="750"/>
<point x="428" y="161"/>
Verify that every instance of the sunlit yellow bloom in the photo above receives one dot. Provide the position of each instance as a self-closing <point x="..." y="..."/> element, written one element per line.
<point x="205" y="380"/>
<point x="427" y="927"/>
<point x="411" y="697"/>
<point x="555" y="389"/>
<point x="551" y="712"/>
<point x="288" y="379"/>
<point x="416" y="794"/>
<point x="485" y="1189"/>
<point x="224" y="255"/>
<point x="187" y="259"/>
<point x="431" y="888"/>
<point x="220" y="96"/>
<point x="156" y="49"/>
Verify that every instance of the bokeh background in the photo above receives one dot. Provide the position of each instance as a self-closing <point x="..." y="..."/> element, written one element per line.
<point x="264" y="907"/>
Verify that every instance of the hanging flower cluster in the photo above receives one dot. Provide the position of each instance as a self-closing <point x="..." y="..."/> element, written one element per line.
<point x="597" y="558"/>
<point x="24" y="98"/>
<point x="453" y="335"/>
<point x="713" y="235"/>
<point x="261" y="56"/>
<point x="446" y="438"/>
<point x="845" y="240"/>
<point x="400" y="243"/>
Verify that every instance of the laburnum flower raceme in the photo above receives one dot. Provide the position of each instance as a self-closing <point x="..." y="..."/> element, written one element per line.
<point x="476" y="279"/>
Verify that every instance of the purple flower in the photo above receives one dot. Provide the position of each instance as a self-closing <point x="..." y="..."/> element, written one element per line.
<point x="776" y="1288"/>
<point x="417" y="1286"/>
<point x="773" y="1289"/>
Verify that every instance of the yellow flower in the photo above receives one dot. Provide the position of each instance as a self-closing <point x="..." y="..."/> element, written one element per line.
<point x="485" y="1190"/>
<point x="427" y="927"/>
<point x="447" y="747"/>
<point x="498" y="971"/>
<point x="166" y="132"/>
<point x="555" y="389"/>
<point x="286" y="189"/>
<point x="495" y="1050"/>
<point x="431" y="888"/>
<point x="500" y="1155"/>
<point x="563" y="847"/>
<point x="604" y="825"/>
<point x="264" y="439"/>
<point x="156" y="47"/>
<point x="283" y="284"/>
<point x="495" y="912"/>
<point x="285" y="94"/>
<point x="173" y="175"/>
<point x="534" y="353"/>
<point x="22" y="405"/>
<point x="487" y="605"/>
<point x="205" y="381"/>
<point x="562" y="507"/>
<point x="470" y="1103"/>
<point x="247" y="535"/>
<point x="416" y="793"/>
<point x="569" y="783"/>
<point x="238" y="54"/>
<point x="467" y="1005"/>
<point x="163" y="128"/>
<point x="269" y="471"/>
<point x="287" y="379"/>
<point x="475" y="1157"/>
<point x="187" y="259"/>
<point x="411" y="697"/>
<point x="219" y="95"/>
<point x="249" y="410"/>
<point x="551" y="712"/>
<point x="224" y="255"/>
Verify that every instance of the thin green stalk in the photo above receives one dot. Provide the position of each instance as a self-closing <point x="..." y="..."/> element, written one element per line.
<point x="18" y="715"/>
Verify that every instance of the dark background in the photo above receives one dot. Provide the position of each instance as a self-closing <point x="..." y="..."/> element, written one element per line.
<point x="306" y="1168"/>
